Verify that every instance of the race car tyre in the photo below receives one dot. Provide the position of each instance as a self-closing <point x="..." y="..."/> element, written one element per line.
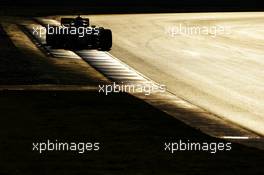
<point x="105" y="40"/>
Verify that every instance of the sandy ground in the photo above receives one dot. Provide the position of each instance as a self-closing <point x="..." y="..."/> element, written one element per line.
<point x="222" y="74"/>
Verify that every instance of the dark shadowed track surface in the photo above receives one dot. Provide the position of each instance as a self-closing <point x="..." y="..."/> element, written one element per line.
<point x="132" y="133"/>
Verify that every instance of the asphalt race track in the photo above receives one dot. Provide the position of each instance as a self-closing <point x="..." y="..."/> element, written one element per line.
<point x="220" y="72"/>
<point x="213" y="81"/>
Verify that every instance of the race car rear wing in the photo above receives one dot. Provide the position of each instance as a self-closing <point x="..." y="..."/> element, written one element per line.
<point x="71" y="21"/>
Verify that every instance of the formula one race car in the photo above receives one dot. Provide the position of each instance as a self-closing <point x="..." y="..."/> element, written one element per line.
<point x="77" y="33"/>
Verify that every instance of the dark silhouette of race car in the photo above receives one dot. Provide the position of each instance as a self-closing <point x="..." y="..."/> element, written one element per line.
<point x="76" y="33"/>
